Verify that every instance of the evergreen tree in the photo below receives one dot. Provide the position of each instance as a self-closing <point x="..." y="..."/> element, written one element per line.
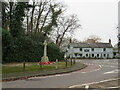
<point x="16" y="24"/>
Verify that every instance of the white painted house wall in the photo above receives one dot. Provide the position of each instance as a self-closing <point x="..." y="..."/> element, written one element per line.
<point x="97" y="53"/>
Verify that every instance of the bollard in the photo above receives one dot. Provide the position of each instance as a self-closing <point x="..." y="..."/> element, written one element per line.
<point x="74" y="60"/>
<point x="71" y="61"/>
<point x="24" y="65"/>
<point x="56" y="64"/>
<point x="41" y="65"/>
<point x="66" y="62"/>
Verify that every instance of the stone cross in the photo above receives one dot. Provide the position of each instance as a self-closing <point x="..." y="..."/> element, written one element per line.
<point x="45" y="58"/>
<point x="45" y="48"/>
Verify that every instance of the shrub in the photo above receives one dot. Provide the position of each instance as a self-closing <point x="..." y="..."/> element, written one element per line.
<point x="25" y="49"/>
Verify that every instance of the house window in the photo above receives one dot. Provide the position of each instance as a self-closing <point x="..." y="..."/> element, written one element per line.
<point x="104" y="55"/>
<point x="86" y="50"/>
<point x="104" y="49"/>
<point x="80" y="49"/>
<point x="97" y="55"/>
<point x="75" y="54"/>
<point x="92" y="49"/>
<point x="92" y="55"/>
<point x="86" y="55"/>
<point x="80" y="55"/>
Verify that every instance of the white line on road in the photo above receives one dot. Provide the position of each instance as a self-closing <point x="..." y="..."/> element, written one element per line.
<point x="57" y="75"/>
<point x="102" y="65"/>
<point x="73" y="86"/>
<point x="114" y="87"/>
<point x="114" y="71"/>
<point x="93" y="70"/>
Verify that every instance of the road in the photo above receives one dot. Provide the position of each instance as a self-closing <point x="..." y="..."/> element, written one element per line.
<point x="97" y="70"/>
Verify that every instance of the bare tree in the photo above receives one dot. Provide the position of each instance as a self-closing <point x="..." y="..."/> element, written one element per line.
<point x="43" y="16"/>
<point x="32" y="13"/>
<point x="66" y="25"/>
<point x="93" y="39"/>
<point x="68" y="40"/>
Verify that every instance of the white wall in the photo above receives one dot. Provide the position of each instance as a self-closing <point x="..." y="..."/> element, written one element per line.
<point x="98" y="52"/>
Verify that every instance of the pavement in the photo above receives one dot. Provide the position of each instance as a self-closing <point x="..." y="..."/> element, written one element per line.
<point x="97" y="71"/>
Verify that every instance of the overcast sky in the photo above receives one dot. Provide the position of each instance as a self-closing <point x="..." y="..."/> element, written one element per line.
<point x="97" y="17"/>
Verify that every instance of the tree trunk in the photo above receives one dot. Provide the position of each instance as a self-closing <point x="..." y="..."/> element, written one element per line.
<point x="63" y="35"/>
<point x="38" y="19"/>
<point x="44" y="21"/>
<point x="57" y="39"/>
<point x="10" y="15"/>
<point x="31" y="22"/>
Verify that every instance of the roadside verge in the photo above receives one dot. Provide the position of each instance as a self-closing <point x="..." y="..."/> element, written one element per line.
<point x="25" y="75"/>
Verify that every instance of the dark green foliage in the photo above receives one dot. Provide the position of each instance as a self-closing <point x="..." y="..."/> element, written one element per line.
<point x="4" y="15"/>
<point x="54" y="52"/>
<point x="38" y="37"/>
<point x="25" y="49"/>
<point x="7" y="43"/>
<point x="17" y="18"/>
<point x="19" y="47"/>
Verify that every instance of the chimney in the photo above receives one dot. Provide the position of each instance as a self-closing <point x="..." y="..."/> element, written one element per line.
<point x="109" y="41"/>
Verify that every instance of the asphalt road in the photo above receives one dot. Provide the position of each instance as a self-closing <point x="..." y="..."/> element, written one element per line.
<point x="96" y="71"/>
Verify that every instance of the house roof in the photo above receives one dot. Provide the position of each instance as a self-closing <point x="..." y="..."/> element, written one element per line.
<point x="92" y="45"/>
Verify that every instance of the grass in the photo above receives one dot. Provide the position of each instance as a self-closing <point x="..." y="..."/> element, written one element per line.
<point x="30" y="66"/>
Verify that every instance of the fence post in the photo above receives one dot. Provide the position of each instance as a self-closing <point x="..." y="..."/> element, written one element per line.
<point x="24" y="65"/>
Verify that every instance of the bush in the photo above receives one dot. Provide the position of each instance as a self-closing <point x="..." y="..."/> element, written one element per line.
<point x="25" y="49"/>
<point x="54" y="52"/>
<point x="7" y="43"/>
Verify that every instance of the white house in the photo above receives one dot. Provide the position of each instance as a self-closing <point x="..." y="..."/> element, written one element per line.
<point x="90" y="50"/>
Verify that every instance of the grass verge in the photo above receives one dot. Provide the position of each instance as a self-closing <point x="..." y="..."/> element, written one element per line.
<point x="31" y="66"/>
<point x="43" y="72"/>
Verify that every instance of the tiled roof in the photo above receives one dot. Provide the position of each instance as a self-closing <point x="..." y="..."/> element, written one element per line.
<point x="92" y="45"/>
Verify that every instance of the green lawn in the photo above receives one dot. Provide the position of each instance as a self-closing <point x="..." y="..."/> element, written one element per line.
<point x="30" y="66"/>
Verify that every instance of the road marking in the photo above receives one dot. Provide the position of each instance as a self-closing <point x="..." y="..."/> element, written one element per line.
<point x="93" y="70"/>
<point x="73" y="86"/>
<point x="58" y="75"/>
<point x="102" y="65"/>
<point x="114" y="71"/>
<point x="109" y="66"/>
<point x="65" y="74"/>
<point x="114" y="87"/>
